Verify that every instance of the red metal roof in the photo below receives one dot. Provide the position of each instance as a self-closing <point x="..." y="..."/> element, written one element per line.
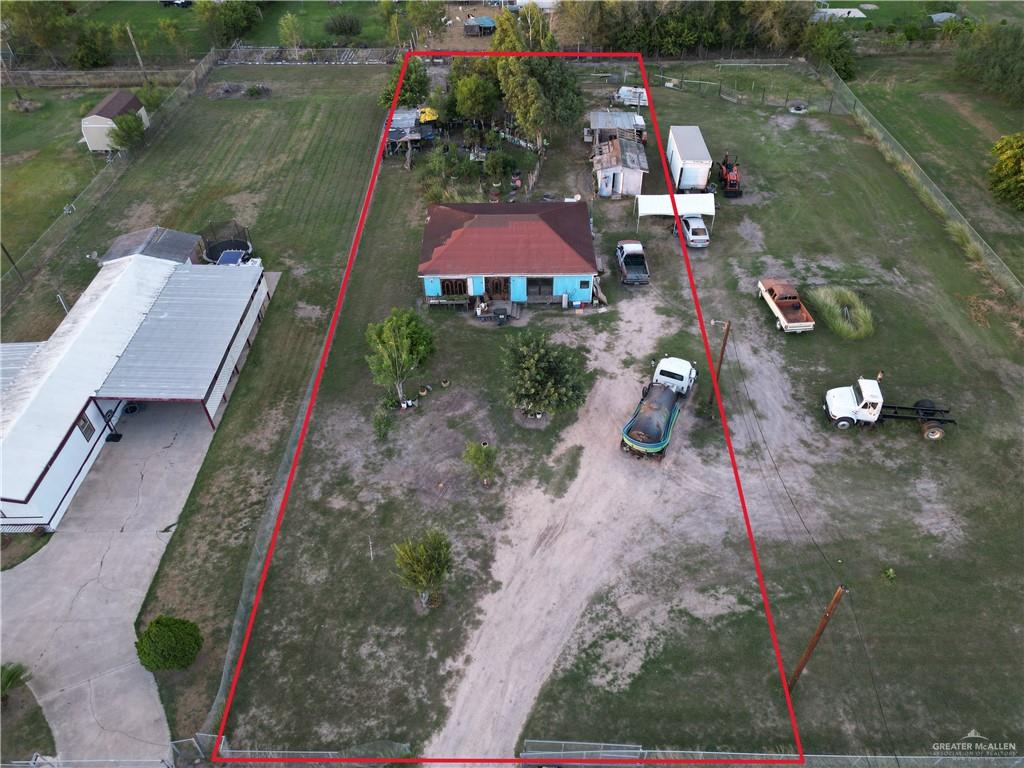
<point x="117" y="103"/>
<point x="508" y="239"/>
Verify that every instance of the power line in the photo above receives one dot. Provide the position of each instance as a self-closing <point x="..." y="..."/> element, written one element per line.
<point x="828" y="562"/>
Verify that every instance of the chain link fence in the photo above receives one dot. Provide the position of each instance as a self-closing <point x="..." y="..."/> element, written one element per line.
<point x="279" y="55"/>
<point x="974" y="245"/>
<point x="15" y="276"/>
<point x="544" y="752"/>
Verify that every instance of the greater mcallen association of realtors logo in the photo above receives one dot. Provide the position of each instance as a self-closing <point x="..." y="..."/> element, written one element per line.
<point x="974" y="744"/>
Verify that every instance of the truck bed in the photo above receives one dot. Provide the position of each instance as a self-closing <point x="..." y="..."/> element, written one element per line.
<point x="786" y="305"/>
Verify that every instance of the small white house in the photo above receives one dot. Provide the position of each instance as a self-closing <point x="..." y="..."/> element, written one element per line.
<point x="619" y="167"/>
<point x="96" y="125"/>
<point x="147" y="329"/>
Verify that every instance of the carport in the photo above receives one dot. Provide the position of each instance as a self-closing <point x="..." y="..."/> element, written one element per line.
<point x="687" y="205"/>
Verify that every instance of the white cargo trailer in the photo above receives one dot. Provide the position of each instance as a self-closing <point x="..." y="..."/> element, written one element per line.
<point x="688" y="158"/>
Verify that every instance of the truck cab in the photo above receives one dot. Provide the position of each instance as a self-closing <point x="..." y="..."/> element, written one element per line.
<point x="632" y="263"/>
<point x="859" y="404"/>
<point x="676" y="374"/>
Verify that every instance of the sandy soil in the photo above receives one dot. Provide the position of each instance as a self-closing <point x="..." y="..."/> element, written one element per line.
<point x="555" y="554"/>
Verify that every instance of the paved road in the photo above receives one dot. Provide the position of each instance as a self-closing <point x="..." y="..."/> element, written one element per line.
<point x="69" y="611"/>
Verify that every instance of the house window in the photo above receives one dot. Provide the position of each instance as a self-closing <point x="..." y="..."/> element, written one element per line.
<point x="85" y="427"/>
<point x="540" y="286"/>
<point x="584" y="285"/>
<point x="453" y="288"/>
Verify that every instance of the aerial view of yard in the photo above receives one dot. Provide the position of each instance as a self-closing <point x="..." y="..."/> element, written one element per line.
<point x="674" y="601"/>
<point x="635" y="408"/>
<point x="949" y="132"/>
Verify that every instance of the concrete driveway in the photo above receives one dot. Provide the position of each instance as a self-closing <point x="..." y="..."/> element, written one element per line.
<point x="69" y="611"/>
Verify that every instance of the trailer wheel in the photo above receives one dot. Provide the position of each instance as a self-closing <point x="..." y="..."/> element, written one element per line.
<point x="778" y="324"/>
<point x="932" y="430"/>
<point x="844" y="423"/>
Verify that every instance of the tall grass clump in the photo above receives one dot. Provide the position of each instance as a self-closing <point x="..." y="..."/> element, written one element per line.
<point x="843" y="312"/>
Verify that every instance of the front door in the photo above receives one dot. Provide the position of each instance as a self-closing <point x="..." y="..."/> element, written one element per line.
<point x="497" y="287"/>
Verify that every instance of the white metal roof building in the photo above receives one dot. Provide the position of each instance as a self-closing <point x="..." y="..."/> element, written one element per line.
<point x="145" y="329"/>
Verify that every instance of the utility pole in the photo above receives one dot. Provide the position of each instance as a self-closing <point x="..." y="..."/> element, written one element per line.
<point x="721" y="357"/>
<point x="145" y="77"/>
<point x="14" y="264"/>
<point x="833" y="604"/>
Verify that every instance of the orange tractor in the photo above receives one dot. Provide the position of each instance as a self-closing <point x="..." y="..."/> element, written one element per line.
<point x="729" y="176"/>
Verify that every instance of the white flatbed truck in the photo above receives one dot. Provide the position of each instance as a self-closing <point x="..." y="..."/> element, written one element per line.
<point x="862" y="404"/>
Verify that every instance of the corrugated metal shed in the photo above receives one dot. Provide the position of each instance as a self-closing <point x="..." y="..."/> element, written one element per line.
<point x="13" y="358"/>
<point x="177" y="350"/>
<point x="609" y="119"/>
<point x="157" y="242"/>
<point x="623" y="153"/>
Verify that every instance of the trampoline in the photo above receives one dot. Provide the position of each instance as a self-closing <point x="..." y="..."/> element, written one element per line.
<point x="227" y="243"/>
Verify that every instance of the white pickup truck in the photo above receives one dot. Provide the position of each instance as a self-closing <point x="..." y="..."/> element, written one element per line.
<point x="790" y="313"/>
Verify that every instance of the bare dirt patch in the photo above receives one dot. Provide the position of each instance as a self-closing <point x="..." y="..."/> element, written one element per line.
<point x="18" y="157"/>
<point x="750" y="231"/>
<point x="967" y="112"/>
<point x="246" y="206"/>
<point x="308" y="311"/>
<point x="554" y="555"/>
<point x="141" y="215"/>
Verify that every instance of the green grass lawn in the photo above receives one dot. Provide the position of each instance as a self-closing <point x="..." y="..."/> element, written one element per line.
<point x="949" y="132"/>
<point x="144" y="18"/>
<point x="358" y="664"/>
<point x="945" y="516"/>
<point x="44" y="166"/>
<point x="293" y="168"/>
<point x="25" y="730"/>
<point x="312" y="15"/>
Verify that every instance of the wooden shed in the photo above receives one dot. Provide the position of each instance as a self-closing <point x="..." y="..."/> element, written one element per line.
<point x="96" y="125"/>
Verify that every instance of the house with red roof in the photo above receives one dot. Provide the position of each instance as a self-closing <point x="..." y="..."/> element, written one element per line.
<point x="523" y="253"/>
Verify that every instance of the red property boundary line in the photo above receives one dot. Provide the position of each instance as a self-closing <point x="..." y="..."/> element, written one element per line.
<point x="217" y="757"/>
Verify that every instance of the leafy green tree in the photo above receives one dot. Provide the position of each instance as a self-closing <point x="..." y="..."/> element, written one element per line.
<point x="43" y="23"/>
<point x="290" y="32"/>
<point x="12" y="675"/>
<point x="476" y="98"/>
<point x="993" y="57"/>
<point x="170" y="29"/>
<point x="541" y="376"/>
<point x="415" y="87"/>
<point x="128" y="132"/>
<point x="388" y="11"/>
<point x="169" y="643"/>
<point x="426" y="17"/>
<point x="229" y="20"/>
<point x="423" y="565"/>
<point x="94" y="47"/>
<point x="398" y="346"/>
<point x="826" y="41"/>
<point x="1006" y="176"/>
<point x="151" y="96"/>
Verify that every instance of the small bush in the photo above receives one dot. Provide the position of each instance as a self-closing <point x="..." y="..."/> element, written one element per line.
<point x="128" y="132"/>
<point x="382" y="421"/>
<point x="343" y="24"/>
<point x="482" y="459"/>
<point x="891" y="29"/>
<point x="843" y="312"/>
<point x="868" y="26"/>
<point x="169" y="643"/>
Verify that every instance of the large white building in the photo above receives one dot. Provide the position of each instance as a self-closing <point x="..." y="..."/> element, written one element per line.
<point x="147" y="329"/>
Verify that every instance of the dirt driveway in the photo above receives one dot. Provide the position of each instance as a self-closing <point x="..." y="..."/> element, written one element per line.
<point x="69" y="610"/>
<point x="555" y="554"/>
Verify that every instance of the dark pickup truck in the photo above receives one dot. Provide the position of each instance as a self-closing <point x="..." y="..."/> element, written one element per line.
<point x="632" y="263"/>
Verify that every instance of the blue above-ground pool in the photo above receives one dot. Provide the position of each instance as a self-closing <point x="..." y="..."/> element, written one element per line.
<point x="649" y="430"/>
